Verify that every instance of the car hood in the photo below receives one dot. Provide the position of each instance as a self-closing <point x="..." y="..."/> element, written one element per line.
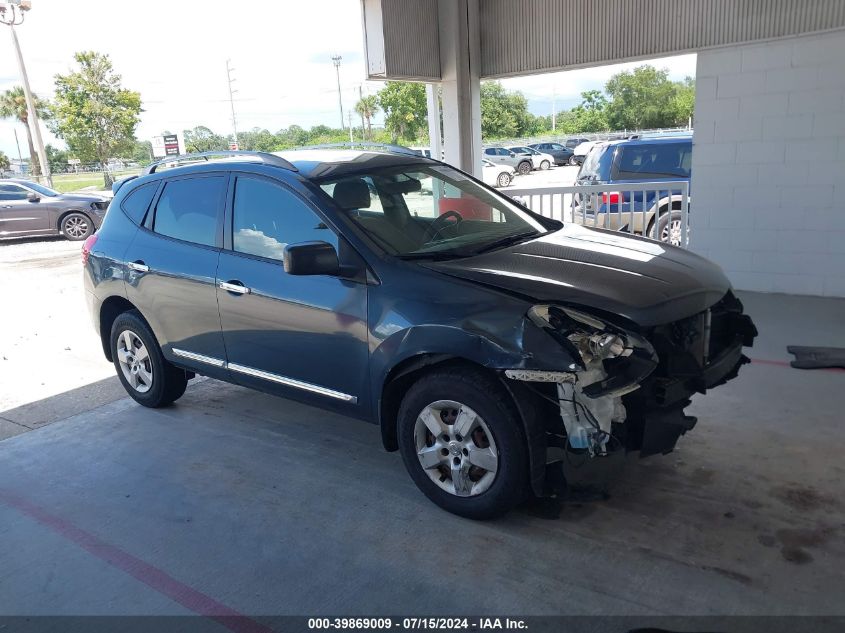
<point x="83" y="197"/>
<point x="644" y="281"/>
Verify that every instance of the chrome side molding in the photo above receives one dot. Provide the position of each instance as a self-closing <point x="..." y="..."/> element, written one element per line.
<point x="265" y="375"/>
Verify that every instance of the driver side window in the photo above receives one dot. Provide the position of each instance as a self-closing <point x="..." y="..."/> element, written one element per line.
<point x="266" y="217"/>
<point x="12" y="192"/>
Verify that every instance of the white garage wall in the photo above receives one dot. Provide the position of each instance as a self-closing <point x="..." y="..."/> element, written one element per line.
<point x="768" y="183"/>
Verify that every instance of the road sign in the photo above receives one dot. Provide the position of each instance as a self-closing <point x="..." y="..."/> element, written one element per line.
<point x="168" y="145"/>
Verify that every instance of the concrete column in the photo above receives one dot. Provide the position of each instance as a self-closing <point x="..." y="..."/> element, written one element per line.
<point x="460" y="57"/>
<point x="435" y="142"/>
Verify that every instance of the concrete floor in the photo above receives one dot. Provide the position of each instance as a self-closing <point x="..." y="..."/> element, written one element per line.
<point x="235" y="502"/>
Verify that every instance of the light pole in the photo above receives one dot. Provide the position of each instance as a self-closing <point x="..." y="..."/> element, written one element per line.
<point x="12" y="14"/>
<point x="229" y="70"/>
<point x="336" y="60"/>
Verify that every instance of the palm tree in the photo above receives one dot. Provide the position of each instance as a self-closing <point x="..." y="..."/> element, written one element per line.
<point x="13" y="106"/>
<point x="4" y="162"/>
<point x="367" y="107"/>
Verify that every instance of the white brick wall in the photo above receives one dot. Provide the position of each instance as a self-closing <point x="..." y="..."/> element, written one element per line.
<point x="769" y="164"/>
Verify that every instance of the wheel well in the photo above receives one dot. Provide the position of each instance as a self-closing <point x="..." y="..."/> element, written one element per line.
<point x="400" y="379"/>
<point x="112" y="308"/>
<point x="676" y="206"/>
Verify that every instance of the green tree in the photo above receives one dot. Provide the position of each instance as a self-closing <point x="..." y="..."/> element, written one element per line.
<point x="202" y="139"/>
<point x="684" y="103"/>
<point x="641" y="99"/>
<point x="405" y="110"/>
<point x="258" y="140"/>
<point x="4" y="162"/>
<point x="57" y="158"/>
<point x="13" y="106"/>
<point x="368" y="107"/>
<point x="589" y="116"/>
<point x="504" y="113"/>
<point x="94" y="114"/>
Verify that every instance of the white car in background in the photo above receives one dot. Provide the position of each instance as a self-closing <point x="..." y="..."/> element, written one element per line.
<point x="539" y="160"/>
<point x="496" y="175"/>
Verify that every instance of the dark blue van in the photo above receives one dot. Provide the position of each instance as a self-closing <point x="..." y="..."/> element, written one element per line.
<point x="655" y="212"/>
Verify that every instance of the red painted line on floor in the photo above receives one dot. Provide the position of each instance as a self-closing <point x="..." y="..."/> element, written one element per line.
<point x="149" y="575"/>
<point x="785" y="363"/>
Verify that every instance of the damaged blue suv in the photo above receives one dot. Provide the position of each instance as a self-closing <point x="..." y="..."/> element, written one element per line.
<point x="492" y="345"/>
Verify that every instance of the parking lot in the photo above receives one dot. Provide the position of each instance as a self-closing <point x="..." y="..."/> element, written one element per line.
<point x="231" y="502"/>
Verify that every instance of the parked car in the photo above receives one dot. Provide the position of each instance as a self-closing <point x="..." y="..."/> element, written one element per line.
<point x="503" y="156"/>
<point x="496" y="175"/>
<point x="572" y="143"/>
<point x="488" y="342"/>
<point x="29" y="209"/>
<point x="647" y="159"/>
<point x="560" y="153"/>
<point x="539" y="160"/>
<point x="579" y="154"/>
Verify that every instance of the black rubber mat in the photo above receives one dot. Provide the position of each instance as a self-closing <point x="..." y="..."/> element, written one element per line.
<point x="817" y="357"/>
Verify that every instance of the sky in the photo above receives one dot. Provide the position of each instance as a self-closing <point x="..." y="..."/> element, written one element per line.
<point x="174" y="53"/>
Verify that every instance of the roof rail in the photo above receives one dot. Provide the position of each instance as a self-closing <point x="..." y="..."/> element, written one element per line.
<point x="395" y="149"/>
<point x="264" y="157"/>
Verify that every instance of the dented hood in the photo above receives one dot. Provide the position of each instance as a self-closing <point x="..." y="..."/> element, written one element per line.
<point x="647" y="282"/>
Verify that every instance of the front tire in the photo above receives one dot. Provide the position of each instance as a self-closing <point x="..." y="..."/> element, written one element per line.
<point x="141" y="367"/>
<point x="524" y="168"/>
<point x="76" y="226"/>
<point x="462" y="443"/>
<point x="504" y="179"/>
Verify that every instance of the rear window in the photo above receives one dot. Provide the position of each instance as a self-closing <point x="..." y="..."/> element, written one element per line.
<point x="135" y="205"/>
<point x="663" y="160"/>
<point x="189" y="209"/>
<point x="597" y="164"/>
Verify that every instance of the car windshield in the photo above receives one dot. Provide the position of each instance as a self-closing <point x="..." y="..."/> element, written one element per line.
<point x="44" y="191"/>
<point x="432" y="211"/>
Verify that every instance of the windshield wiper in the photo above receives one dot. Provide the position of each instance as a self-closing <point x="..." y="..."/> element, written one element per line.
<point x="432" y="255"/>
<point x="514" y="238"/>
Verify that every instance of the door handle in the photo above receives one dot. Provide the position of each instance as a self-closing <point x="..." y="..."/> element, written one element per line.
<point x="234" y="286"/>
<point x="138" y="266"/>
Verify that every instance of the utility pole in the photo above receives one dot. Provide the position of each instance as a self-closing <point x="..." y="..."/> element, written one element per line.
<point x="360" y="99"/>
<point x="16" y="9"/>
<point x="230" y="79"/>
<point x="336" y="61"/>
<point x="18" y="143"/>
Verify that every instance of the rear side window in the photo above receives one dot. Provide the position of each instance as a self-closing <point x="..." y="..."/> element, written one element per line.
<point x="135" y="205"/>
<point x="189" y="209"/>
<point x="664" y="160"/>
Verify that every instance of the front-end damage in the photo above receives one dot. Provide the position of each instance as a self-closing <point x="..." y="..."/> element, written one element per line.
<point x="625" y="390"/>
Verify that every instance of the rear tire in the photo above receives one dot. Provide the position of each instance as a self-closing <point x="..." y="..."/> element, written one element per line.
<point x="669" y="228"/>
<point x="573" y="161"/>
<point x="503" y="180"/>
<point x="454" y="475"/>
<point x="544" y="165"/>
<point x="76" y="226"/>
<point x="141" y="367"/>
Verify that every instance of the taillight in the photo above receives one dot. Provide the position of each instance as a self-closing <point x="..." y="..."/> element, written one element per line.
<point x="87" y="246"/>
<point x="613" y="197"/>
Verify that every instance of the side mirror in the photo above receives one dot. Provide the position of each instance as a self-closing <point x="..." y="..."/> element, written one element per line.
<point x="311" y="258"/>
<point x="513" y="154"/>
<point x="33" y="197"/>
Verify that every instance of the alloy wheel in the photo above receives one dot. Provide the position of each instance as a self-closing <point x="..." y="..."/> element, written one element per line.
<point x="455" y="448"/>
<point x="135" y="362"/>
<point x="672" y="233"/>
<point x="504" y="180"/>
<point x="76" y="227"/>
